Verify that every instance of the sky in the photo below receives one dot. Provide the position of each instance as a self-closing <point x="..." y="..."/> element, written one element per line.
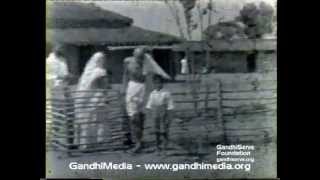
<point x="155" y="15"/>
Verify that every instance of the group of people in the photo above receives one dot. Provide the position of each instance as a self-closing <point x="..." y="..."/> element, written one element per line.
<point x="158" y="104"/>
<point x="93" y="77"/>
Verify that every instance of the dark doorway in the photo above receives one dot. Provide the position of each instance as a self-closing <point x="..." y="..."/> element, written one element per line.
<point x="85" y="53"/>
<point x="251" y="62"/>
<point x="164" y="58"/>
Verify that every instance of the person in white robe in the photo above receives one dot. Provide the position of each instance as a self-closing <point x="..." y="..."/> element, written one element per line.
<point x="57" y="74"/>
<point x="56" y="68"/>
<point x="89" y="101"/>
<point x="184" y="66"/>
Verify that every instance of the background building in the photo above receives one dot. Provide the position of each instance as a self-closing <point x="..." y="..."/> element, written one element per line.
<point x="86" y="28"/>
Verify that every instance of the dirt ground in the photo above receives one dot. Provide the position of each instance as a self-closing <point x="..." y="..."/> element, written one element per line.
<point x="265" y="165"/>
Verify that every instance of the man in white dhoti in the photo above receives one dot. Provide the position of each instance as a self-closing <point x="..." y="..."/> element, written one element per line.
<point x="134" y="86"/>
<point x="136" y="68"/>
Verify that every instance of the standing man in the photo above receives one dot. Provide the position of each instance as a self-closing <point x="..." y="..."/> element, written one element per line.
<point x="134" y="85"/>
<point x="57" y="69"/>
<point x="57" y="76"/>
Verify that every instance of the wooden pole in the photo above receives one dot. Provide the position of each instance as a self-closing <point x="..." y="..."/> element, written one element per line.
<point x="210" y="13"/>
<point x="220" y="110"/>
<point x="69" y="117"/>
<point x="192" y="65"/>
<point x="208" y="56"/>
<point x="206" y="97"/>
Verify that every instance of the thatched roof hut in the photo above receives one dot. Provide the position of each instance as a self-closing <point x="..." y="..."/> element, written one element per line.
<point x="85" y="28"/>
<point x="106" y="36"/>
<point x="87" y="24"/>
<point x="83" y="15"/>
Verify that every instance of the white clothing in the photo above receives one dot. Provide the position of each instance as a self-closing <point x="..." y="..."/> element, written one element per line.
<point x="91" y="72"/>
<point x="135" y="97"/>
<point x="88" y="103"/>
<point x="160" y="98"/>
<point x="57" y="69"/>
<point x="184" y="66"/>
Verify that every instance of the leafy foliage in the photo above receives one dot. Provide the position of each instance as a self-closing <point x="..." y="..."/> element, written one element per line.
<point x="258" y="19"/>
<point x="225" y="30"/>
<point x="253" y="22"/>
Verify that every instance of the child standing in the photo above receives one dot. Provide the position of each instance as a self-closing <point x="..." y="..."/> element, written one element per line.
<point x="160" y="105"/>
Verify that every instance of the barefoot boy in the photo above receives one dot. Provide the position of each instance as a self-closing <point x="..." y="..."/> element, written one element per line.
<point x="160" y="105"/>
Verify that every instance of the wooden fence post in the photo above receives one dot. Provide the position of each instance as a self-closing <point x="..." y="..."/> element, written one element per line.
<point x="49" y="124"/>
<point x="69" y="117"/>
<point x="208" y="66"/>
<point x="194" y="96"/>
<point x="206" y="97"/>
<point x="220" y="110"/>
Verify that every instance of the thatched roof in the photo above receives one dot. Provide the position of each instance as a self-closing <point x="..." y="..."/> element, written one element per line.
<point x="105" y="36"/>
<point x="82" y="15"/>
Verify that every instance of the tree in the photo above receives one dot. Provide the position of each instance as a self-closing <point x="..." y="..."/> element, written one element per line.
<point x="203" y="10"/>
<point x="174" y="10"/>
<point x="188" y="5"/>
<point x="185" y="21"/>
<point x="258" y="19"/>
<point x="275" y="19"/>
